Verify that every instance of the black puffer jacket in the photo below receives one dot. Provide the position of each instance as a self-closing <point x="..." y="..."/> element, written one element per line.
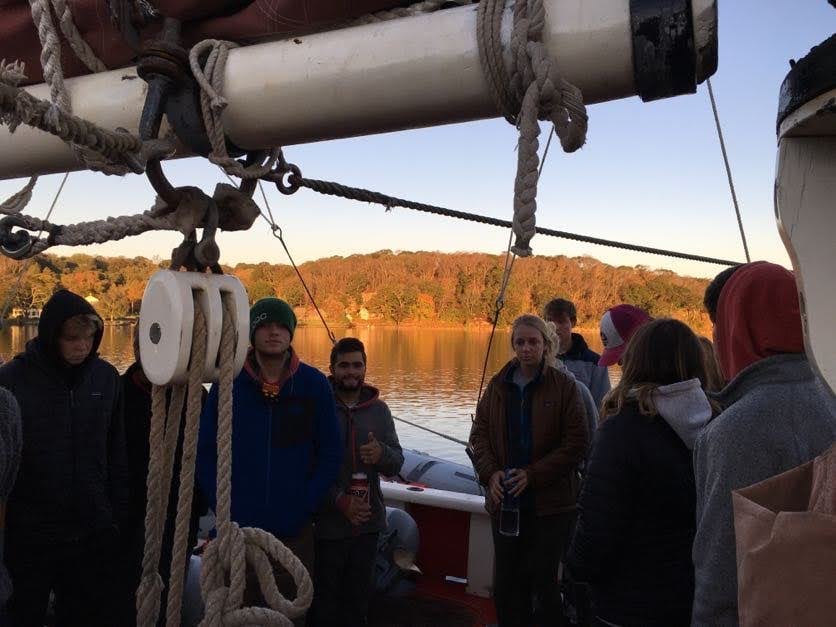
<point x="636" y="523"/>
<point x="73" y="479"/>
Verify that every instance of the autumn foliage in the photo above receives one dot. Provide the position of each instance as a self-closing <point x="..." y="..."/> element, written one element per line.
<point x="384" y="287"/>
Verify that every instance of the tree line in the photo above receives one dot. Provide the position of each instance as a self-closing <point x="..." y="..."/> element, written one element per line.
<point x="384" y="287"/>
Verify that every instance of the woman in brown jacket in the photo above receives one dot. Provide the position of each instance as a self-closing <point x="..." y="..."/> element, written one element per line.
<point x="529" y="436"/>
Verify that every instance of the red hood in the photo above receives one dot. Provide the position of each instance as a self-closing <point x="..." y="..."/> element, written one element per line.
<point x="757" y="317"/>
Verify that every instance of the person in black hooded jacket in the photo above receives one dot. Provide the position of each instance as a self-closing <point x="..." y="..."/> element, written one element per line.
<point x="62" y="524"/>
<point x="636" y="521"/>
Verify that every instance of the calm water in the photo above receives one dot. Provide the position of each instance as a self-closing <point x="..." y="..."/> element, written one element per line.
<point x="428" y="376"/>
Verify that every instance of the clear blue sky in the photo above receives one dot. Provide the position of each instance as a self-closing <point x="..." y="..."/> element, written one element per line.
<point x="650" y="173"/>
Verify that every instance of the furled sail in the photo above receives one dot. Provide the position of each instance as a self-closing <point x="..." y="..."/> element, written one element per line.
<point x="99" y="22"/>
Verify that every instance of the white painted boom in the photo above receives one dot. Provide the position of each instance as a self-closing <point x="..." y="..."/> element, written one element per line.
<point x="395" y="75"/>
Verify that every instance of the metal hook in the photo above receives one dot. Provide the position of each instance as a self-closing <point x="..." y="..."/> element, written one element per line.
<point x="18" y="244"/>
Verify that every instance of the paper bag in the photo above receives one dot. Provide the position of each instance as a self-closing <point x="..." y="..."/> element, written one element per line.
<point x="785" y="530"/>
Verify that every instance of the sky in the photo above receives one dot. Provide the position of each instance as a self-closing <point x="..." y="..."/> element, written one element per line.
<point x="650" y="173"/>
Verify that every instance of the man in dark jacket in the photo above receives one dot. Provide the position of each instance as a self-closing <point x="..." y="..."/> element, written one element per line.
<point x="71" y="491"/>
<point x="285" y="445"/>
<point x="354" y="515"/>
<point x="136" y="390"/>
<point x="573" y="350"/>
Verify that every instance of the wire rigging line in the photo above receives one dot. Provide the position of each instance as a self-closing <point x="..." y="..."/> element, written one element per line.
<point x="506" y="278"/>
<point x="277" y="233"/>
<point x="728" y="170"/>
<point x="438" y="433"/>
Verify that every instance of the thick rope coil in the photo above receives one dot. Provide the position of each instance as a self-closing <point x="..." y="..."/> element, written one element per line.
<point x="210" y="77"/>
<point x="533" y="90"/>
<point x="234" y="546"/>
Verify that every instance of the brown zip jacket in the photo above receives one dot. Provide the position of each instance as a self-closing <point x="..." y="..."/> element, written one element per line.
<point x="559" y="438"/>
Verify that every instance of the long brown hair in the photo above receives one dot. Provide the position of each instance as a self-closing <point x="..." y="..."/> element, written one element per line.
<point x="714" y="378"/>
<point x="661" y="352"/>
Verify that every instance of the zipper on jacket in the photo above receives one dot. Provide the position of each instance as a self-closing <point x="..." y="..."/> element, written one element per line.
<point x="269" y="452"/>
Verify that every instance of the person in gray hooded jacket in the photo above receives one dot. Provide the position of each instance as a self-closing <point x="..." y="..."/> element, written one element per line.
<point x="777" y="414"/>
<point x="349" y="522"/>
<point x="636" y="517"/>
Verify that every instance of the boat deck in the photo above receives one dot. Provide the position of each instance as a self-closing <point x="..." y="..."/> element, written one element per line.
<point x="433" y="603"/>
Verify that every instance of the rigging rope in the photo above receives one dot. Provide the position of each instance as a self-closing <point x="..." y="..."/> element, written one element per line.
<point x="119" y="147"/>
<point x="533" y="90"/>
<point x="427" y="429"/>
<point x="276" y="230"/>
<point x="364" y="195"/>
<point x="210" y="77"/>
<point x="12" y="74"/>
<point x="223" y="575"/>
<point x="506" y="277"/>
<point x="54" y="77"/>
<point x="13" y="293"/>
<point x="728" y="170"/>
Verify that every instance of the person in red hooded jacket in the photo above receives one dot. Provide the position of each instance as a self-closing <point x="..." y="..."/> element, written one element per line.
<point x="777" y="414"/>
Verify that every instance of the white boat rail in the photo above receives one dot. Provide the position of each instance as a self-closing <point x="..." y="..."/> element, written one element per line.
<point x="480" y="557"/>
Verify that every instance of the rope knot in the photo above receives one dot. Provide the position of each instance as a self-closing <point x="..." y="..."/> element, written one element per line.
<point x="534" y="90"/>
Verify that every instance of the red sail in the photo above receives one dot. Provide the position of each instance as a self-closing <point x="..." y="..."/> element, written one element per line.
<point x="240" y="21"/>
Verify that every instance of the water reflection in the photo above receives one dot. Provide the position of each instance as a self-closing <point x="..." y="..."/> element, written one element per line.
<point x="428" y="376"/>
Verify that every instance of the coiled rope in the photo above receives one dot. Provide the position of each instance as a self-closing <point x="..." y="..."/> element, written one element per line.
<point x="226" y="558"/>
<point x="223" y="575"/>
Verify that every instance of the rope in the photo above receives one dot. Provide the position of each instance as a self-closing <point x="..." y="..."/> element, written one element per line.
<point x="534" y="90"/>
<point x="438" y="433"/>
<point x="17" y="202"/>
<point x="13" y="293"/>
<point x="187" y="464"/>
<point x="160" y="467"/>
<point x="234" y="547"/>
<point x="54" y="77"/>
<point x="365" y="195"/>
<point x="728" y="170"/>
<point x="185" y="218"/>
<point x="12" y="74"/>
<point x="276" y="230"/>
<point x="210" y="77"/>
<point x="82" y="50"/>
<point x="19" y="106"/>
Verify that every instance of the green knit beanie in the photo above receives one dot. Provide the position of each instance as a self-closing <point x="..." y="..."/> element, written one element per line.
<point x="272" y="310"/>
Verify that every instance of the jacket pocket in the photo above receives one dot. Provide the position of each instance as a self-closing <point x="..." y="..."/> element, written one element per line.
<point x="293" y="421"/>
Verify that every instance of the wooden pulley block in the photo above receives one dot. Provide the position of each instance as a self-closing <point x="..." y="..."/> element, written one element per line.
<point x="166" y="323"/>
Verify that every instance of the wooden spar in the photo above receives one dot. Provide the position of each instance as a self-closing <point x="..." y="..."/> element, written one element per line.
<point x="400" y="74"/>
<point x="805" y="185"/>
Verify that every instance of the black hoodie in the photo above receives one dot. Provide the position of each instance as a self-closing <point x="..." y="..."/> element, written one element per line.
<point x="72" y="481"/>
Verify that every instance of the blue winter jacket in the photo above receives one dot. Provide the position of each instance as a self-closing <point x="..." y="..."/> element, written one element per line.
<point x="286" y="451"/>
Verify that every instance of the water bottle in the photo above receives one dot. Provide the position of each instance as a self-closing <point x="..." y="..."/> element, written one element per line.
<point x="509" y="512"/>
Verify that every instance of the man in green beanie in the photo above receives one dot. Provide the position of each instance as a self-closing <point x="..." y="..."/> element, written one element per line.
<point x="286" y="450"/>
